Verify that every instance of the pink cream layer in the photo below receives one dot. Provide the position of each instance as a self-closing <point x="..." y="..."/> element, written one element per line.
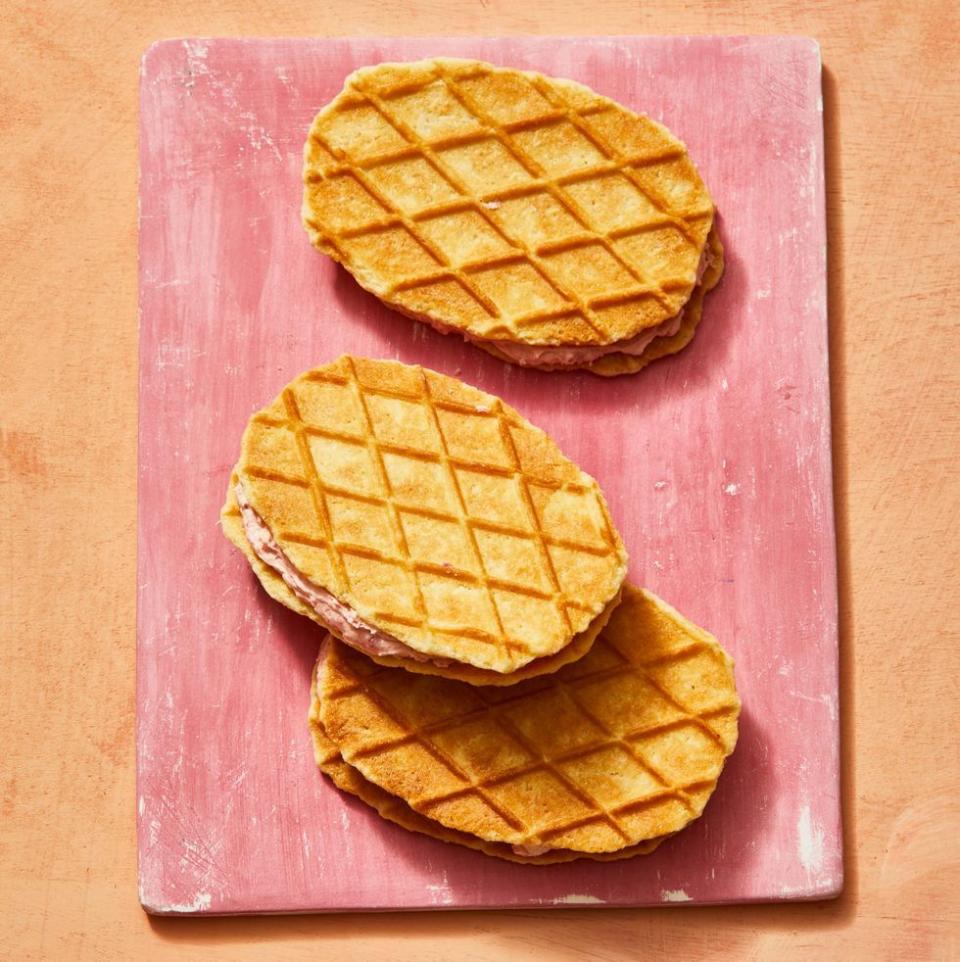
<point x="341" y="618"/>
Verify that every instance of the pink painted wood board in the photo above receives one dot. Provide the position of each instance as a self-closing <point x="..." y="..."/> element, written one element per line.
<point x="716" y="465"/>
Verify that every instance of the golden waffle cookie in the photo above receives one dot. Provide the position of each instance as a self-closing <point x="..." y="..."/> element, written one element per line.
<point x="505" y="205"/>
<point x="435" y="512"/>
<point x="623" y="746"/>
<point x="395" y="810"/>
<point x="276" y="587"/>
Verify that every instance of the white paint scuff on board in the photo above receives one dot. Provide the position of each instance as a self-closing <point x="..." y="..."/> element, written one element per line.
<point x="201" y="902"/>
<point x="440" y="893"/>
<point x="674" y="895"/>
<point x="575" y="898"/>
<point x="810" y="839"/>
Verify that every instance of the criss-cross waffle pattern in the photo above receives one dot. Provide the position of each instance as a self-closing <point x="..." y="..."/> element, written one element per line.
<point x="622" y="746"/>
<point x="434" y="511"/>
<point x="505" y="204"/>
<point x="394" y="809"/>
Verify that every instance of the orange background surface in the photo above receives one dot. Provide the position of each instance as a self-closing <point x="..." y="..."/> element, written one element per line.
<point x="68" y="401"/>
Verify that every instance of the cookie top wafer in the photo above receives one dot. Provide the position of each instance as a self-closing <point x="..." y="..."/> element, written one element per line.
<point x="622" y="746"/>
<point x="505" y="205"/>
<point x="348" y="779"/>
<point x="431" y="513"/>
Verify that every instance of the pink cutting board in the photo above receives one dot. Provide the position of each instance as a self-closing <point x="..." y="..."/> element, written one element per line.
<point x="716" y="465"/>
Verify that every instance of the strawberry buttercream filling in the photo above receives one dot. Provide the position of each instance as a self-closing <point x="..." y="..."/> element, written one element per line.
<point x="530" y="354"/>
<point x="340" y="618"/>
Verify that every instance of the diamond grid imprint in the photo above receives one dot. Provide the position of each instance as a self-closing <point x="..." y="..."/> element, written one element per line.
<point x="389" y="435"/>
<point x="348" y="779"/>
<point x="542" y="754"/>
<point x="556" y="149"/>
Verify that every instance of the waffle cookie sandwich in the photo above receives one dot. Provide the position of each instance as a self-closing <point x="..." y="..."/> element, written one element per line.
<point x="424" y="523"/>
<point x="549" y="225"/>
<point x="603" y="759"/>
